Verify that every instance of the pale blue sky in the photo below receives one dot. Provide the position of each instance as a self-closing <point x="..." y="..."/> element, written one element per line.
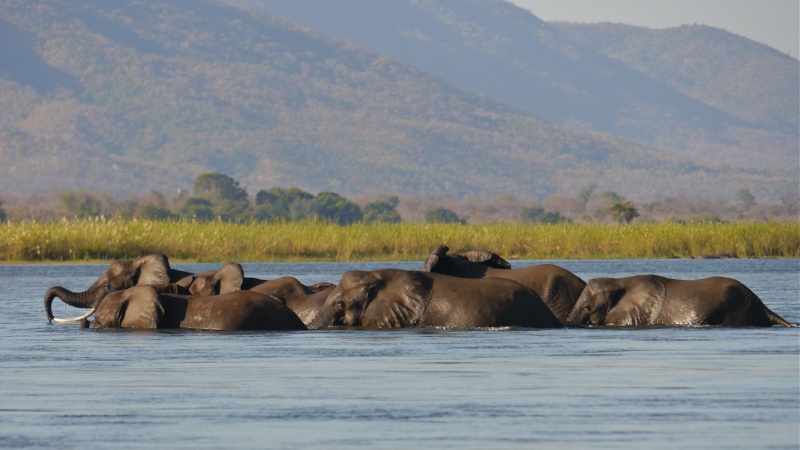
<point x="772" y="22"/>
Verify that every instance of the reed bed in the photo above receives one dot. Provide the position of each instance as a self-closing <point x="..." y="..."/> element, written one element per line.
<point x="101" y="239"/>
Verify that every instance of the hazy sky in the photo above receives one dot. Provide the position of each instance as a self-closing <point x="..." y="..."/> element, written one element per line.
<point x="772" y="22"/>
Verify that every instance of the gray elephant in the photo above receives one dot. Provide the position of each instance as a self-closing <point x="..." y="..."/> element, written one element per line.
<point x="144" y="270"/>
<point x="392" y="298"/>
<point x="304" y="300"/>
<point x="558" y="288"/>
<point x="163" y="306"/>
<point x="646" y="300"/>
<point x="228" y="278"/>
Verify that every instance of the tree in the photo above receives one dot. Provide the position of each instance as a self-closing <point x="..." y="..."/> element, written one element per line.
<point x="197" y="208"/>
<point x="219" y="187"/>
<point x="81" y="203"/>
<point x="266" y="197"/>
<point x="539" y="215"/>
<point x="153" y="212"/>
<point x="391" y="200"/>
<point x="747" y="198"/>
<point x="290" y="204"/>
<point x="3" y="216"/>
<point x="442" y="215"/>
<point x="230" y="211"/>
<point x="586" y="194"/>
<point x="331" y="206"/>
<point x="382" y="210"/>
<point x="154" y="207"/>
<point x="622" y="210"/>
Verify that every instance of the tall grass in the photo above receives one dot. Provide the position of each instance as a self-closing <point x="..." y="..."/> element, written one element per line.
<point x="101" y="239"/>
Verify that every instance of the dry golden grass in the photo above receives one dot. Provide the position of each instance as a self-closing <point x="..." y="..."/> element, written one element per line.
<point x="101" y="239"/>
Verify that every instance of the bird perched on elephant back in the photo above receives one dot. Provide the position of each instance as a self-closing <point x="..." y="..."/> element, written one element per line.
<point x="652" y="300"/>
<point x="558" y="288"/>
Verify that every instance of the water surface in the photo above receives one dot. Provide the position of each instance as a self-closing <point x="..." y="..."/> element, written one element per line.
<point x="63" y="387"/>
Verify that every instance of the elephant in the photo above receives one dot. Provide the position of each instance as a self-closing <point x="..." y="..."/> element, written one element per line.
<point x="558" y="288"/>
<point x="144" y="270"/>
<point x="164" y="306"/>
<point x="393" y="298"/>
<point x="305" y="301"/>
<point x="228" y="278"/>
<point x="647" y="300"/>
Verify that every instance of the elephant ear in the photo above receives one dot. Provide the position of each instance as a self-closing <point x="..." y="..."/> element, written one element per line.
<point x="439" y="252"/>
<point x="639" y="301"/>
<point x="150" y="269"/>
<point x="398" y="301"/>
<point x="136" y="307"/>
<point x="229" y="278"/>
<point x="486" y="258"/>
<point x="186" y="281"/>
<point x="321" y="286"/>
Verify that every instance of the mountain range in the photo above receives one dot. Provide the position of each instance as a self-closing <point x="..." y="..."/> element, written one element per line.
<point x="439" y="98"/>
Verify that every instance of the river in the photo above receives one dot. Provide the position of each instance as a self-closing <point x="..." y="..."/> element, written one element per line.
<point x="64" y="387"/>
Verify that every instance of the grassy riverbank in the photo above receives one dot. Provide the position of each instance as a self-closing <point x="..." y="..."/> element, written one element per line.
<point x="100" y="239"/>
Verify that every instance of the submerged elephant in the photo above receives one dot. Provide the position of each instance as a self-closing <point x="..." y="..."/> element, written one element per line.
<point x="305" y="301"/>
<point x="228" y="278"/>
<point x="144" y="270"/>
<point x="645" y="300"/>
<point x="162" y="306"/>
<point x="392" y="298"/>
<point x="558" y="288"/>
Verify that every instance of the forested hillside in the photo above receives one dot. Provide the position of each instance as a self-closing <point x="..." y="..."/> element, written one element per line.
<point x="698" y="92"/>
<point x="132" y="97"/>
<point x="747" y="80"/>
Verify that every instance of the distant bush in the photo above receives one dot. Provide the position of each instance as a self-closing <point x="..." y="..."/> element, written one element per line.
<point x="442" y="215"/>
<point x="622" y="210"/>
<point x="539" y="215"/>
<point x="382" y="210"/>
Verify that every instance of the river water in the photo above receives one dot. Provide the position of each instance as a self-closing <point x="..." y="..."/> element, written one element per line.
<point x="63" y="387"/>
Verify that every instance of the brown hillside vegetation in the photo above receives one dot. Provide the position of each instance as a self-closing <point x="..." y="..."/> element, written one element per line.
<point x="132" y="97"/>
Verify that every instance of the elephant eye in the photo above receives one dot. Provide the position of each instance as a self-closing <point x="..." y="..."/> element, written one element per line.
<point x="340" y="304"/>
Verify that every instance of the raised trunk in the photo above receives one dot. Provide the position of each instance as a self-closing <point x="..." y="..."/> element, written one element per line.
<point x="86" y="299"/>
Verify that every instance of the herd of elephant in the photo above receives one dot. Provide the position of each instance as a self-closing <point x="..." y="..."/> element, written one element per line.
<point x="474" y="289"/>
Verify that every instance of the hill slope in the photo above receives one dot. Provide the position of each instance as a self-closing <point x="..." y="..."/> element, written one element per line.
<point x="129" y="97"/>
<point x="695" y="91"/>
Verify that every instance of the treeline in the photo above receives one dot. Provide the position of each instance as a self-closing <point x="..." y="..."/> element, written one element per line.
<point x="219" y="197"/>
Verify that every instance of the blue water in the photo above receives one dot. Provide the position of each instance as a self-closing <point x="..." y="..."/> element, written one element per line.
<point x="63" y="387"/>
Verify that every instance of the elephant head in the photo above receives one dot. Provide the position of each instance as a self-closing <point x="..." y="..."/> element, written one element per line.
<point x="642" y="299"/>
<point x="371" y="299"/>
<point x="144" y="270"/>
<point x="228" y="278"/>
<point x="439" y="261"/>
<point x="135" y="307"/>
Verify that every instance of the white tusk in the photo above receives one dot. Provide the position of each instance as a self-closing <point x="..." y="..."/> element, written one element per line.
<point x="76" y="319"/>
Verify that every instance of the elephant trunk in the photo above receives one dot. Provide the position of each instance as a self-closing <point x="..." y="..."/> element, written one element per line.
<point x="89" y="298"/>
<point x="324" y="318"/>
<point x="574" y="318"/>
<point x="577" y="316"/>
